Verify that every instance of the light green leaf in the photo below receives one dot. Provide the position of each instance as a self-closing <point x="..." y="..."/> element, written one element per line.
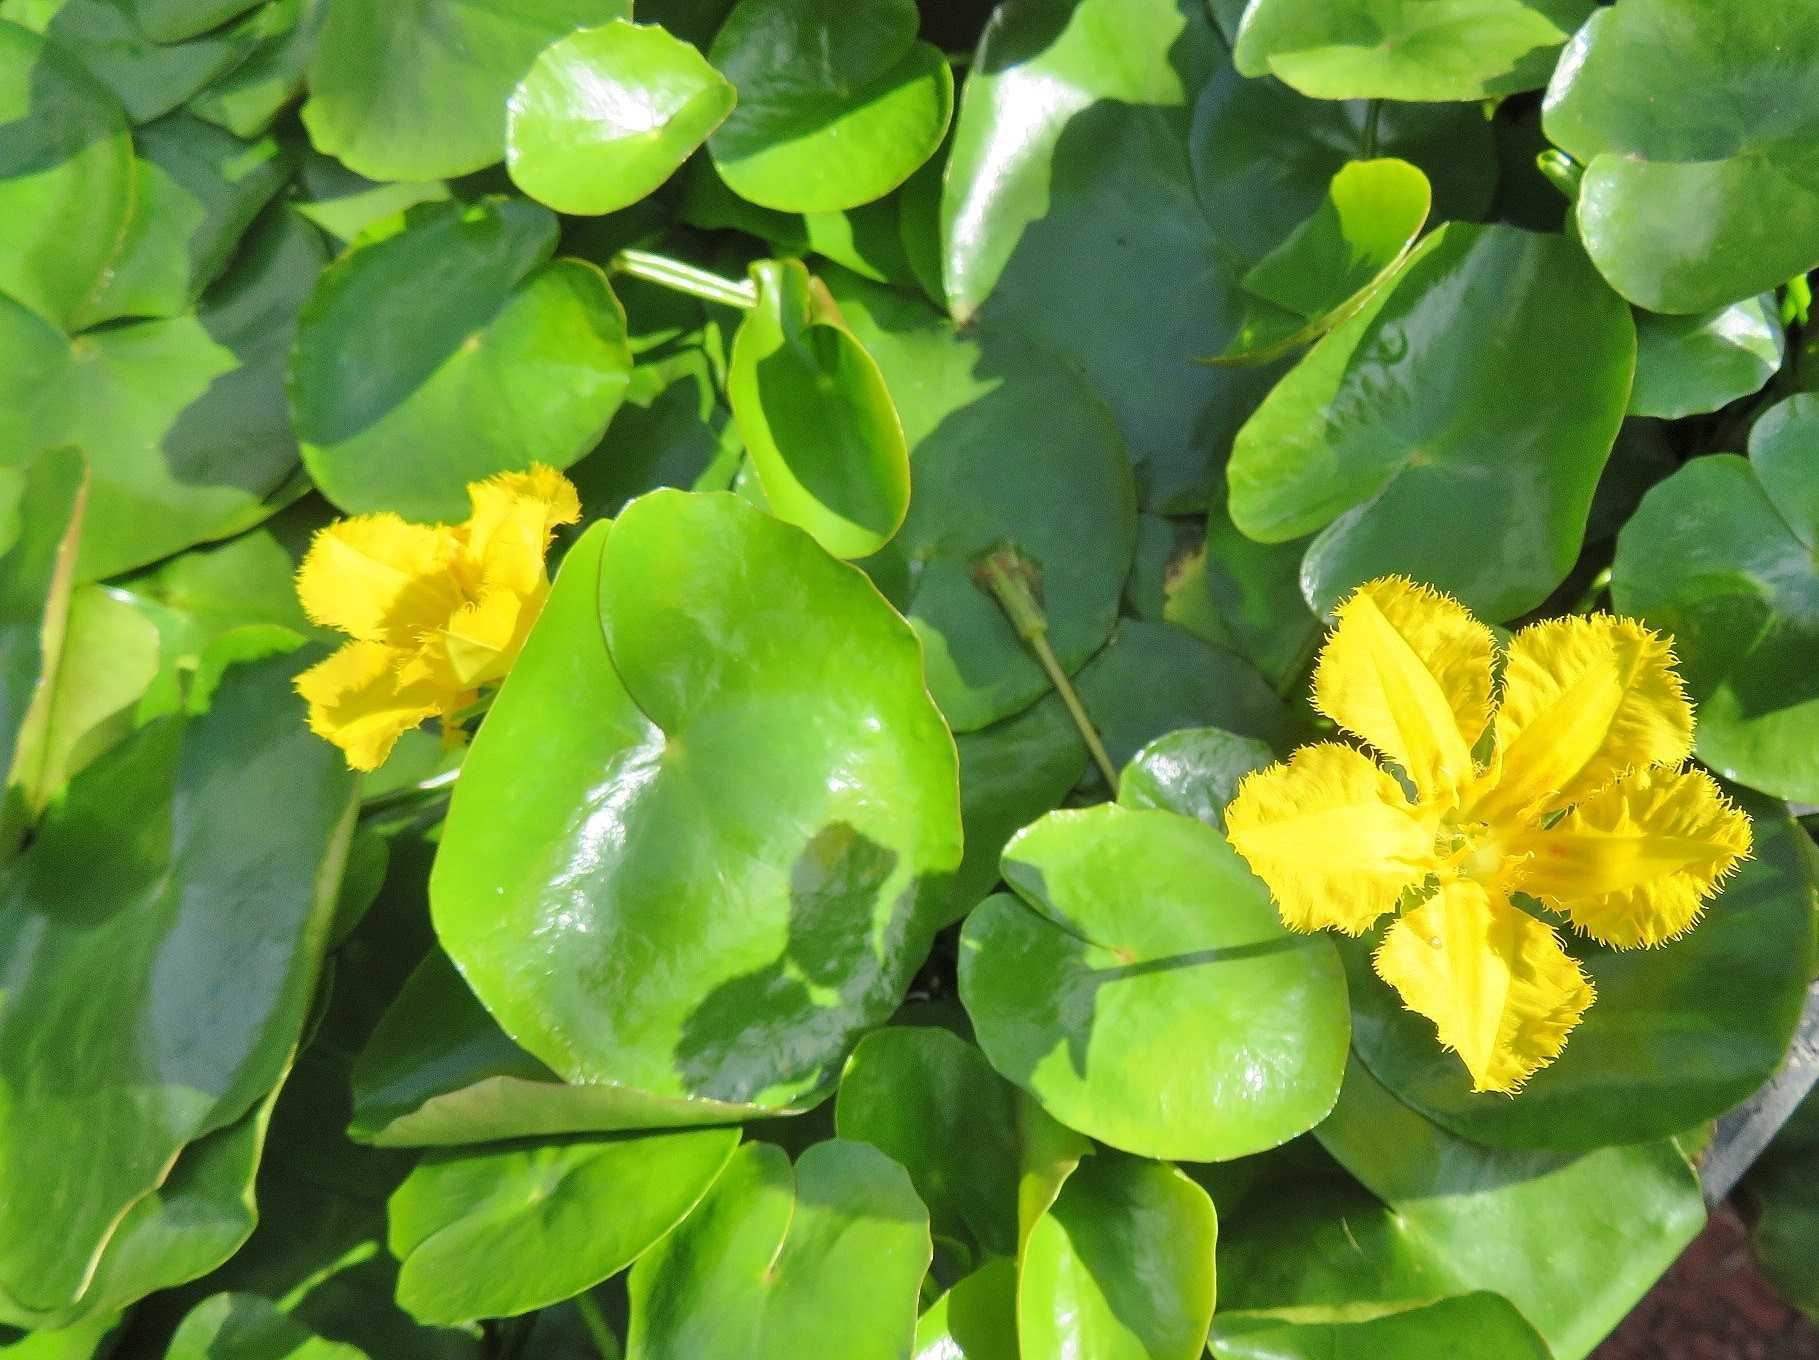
<point x="1477" y="1326"/>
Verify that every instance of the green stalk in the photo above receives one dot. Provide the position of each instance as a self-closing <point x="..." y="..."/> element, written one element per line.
<point x="685" y="278"/>
<point x="1007" y="576"/>
<point x="604" y="1340"/>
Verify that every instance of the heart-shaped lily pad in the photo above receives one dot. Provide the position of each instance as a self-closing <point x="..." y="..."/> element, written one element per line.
<point x="203" y="853"/>
<point x="1121" y="1267"/>
<point x="1332" y="262"/>
<point x="1406" y="49"/>
<point x="1008" y="446"/>
<point x="1722" y="556"/>
<point x="1194" y="772"/>
<point x="930" y="1101"/>
<point x="1142" y="988"/>
<point x="607" y="114"/>
<point x="816" y="417"/>
<point x="699" y="843"/>
<point x="1477" y="1326"/>
<point x="417" y="89"/>
<point x="1720" y="201"/>
<point x="778" y="1262"/>
<point x="549" y="1219"/>
<point x="1389" y="416"/>
<point x="183" y="419"/>
<point x="66" y="178"/>
<point x="505" y="358"/>
<point x="1687" y="365"/>
<point x="838" y="104"/>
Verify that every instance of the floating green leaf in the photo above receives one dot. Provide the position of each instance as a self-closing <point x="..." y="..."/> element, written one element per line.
<point x="1717" y="201"/>
<point x="417" y="89"/>
<point x="1141" y="987"/>
<point x="838" y="104"/>
<point x="549" y="1220"/>
<point x="41" y="504"/>
<point x="1721" y="556"/>
<point x="1406" y="49"/>
<point x="66" y="178"/>
<point x="824" y="1258"/>
<point x="932" y="1103"/>
<point x="183" y="419"/>
<point x="699" y="843"/>
<point x="1389" y="417"/>
<point x="975" y="1320"/>
<point x="247" y="99"/>
<point x="1121" y="1267"/>
<point x="198" y="859"/>
<point x="1331" y="263"/>
<point x="248" y="1327"/>
<point x="607" y="114"/>
<point x="1686" y="365"/>
<point x="170" y="21"/>
<point x="506" y="358"/>
<point x="1194" y="772"/>
<point x="816" y="417"/>
<point x="1476" y="1326"/>
<point x="1007" y="445"/>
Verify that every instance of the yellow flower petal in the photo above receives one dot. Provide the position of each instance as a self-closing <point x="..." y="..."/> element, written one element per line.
<point x="356" y="701"/>
<point x="1584" y="699"/>
<point x="484" y="639"/>
<point x="381" y="579"/>
<point x="1633" y="864"/>
<point x="1496" y="982"/>
<point x="509" y="532"/>
<point x="1332" y="835"/>
<point x="1409" y="670"/>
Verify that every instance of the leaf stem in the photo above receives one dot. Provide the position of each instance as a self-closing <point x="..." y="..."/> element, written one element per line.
<point x="1005" y="573"/>
<point x="406" y="794"/>
<point x="1373" y="111"/>
<point x="595" y="1321"/>
<point x="685" y="278"/>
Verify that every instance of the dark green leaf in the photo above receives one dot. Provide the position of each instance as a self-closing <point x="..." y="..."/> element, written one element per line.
<point x="1687" y="365"/>
<point x="1194" y="772"/>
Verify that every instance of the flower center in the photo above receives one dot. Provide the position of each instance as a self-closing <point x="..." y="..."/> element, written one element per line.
<point x="1471" y="850"/>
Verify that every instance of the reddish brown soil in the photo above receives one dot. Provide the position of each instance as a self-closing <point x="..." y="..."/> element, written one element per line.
<point x="1713" y="1305"/>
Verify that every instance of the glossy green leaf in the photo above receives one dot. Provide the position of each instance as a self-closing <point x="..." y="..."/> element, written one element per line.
<point x="222" y="889"/>
<point x="1717" y="201"/>
<point x="183" y="419"/>
<point x="417" y="89"/>
<point x="1144" y="991"/>
<point x="1121" y="1268"/>
<point x="1476" y="1326"/>
<point x="931" y="1102"/>
<point x="1390" y="421"/>
<point x="1007" y="445"/>
<point x="823" y="1258"/>
<point x="1687" y="365"/>
<point x="440" y="1072"/>
<point x="1194" y="772"/>
<point x="816" y="417"/>
<point x="505" y="358"/>
<point x="1069" y="214"/>
<point x="607" y="114"/>
<point x="975" y="1320"/>
<point x="1572" y="1241"/>
<point x="41" y="504"/>
<point x="1782" y="1184"/>
<point x="189" y="1225"/>
<point x="248" y="1327"/>
<point x="169" y="21"/>
<point x="1010" y="774"/>
<point x="1264" y="155"/>
<point x="248" y="99"/>
<point x="66" y="178"/>
<point x="1721" y="555"/>
<point x="196" y="191"/>
<point x="148" y="77"/>
<point x="548" y="1220"/>
<point x="838" y="104"/>
<point x="1406" y="49"/>
<point x="1154" y="678"/>
<point x="1678" y="1034"/>
<point x="108" y="659"/>
<point x="1326" y="268"/>
<point x="700" y="841"/>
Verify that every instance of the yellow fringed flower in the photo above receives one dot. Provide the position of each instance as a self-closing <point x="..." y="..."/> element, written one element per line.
<point x="1583" y="803"/>
<point x="436" y="611"/>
